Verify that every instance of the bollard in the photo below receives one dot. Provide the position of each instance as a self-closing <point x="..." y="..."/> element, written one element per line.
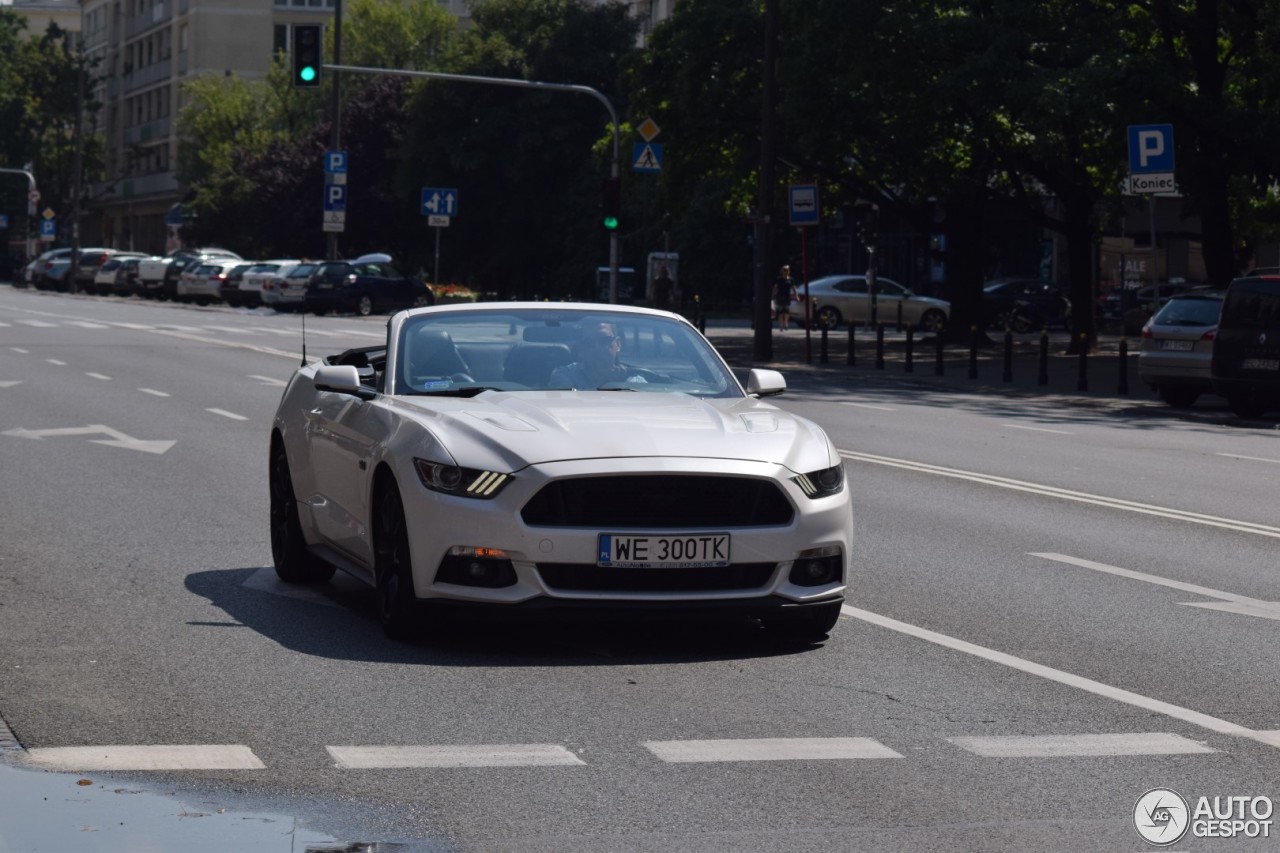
<point x="973" y="352"/>
<point x="1122" y="385"/>
<point x="852" y="358"/>
<point x="702" y="324"/>
<point x="822" y="351"/>
<point x="1043" y="377"/>
<point x="1082" y="384"/>
<point x="900" y="316"/>
<point x="879" y="346"/>
<point x="1007" y="375"/>
<point x="938" y="369"/>
<point x="908" y="366"/>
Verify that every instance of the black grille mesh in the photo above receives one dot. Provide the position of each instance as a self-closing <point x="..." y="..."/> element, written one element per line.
<point x="585" y="578"/>
<point x="658" y="502"/>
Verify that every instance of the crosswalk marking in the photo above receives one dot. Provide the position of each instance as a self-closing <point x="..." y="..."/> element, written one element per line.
<point x="769" y="749"/>
<point x="172" y="757"/>
<point x="1062" y="746"/>
<point x="463" y="755"/>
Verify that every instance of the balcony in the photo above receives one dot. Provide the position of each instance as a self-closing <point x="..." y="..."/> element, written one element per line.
<point x="152" y="131"/>
<point x="157" y="72"/>
<point x="160" y="13"/>
<point x="161" y="182"/>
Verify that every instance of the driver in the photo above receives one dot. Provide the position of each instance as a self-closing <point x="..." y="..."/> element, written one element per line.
<point x="597" y="362"/>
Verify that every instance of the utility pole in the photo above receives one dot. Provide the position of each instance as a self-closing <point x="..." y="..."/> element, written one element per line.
<point x="762" y="291"/>
<point x="335" y="133"/>
<point x="77" y="169"/>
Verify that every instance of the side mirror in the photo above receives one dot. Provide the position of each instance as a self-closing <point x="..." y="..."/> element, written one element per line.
<point x="765" y="383"/>
<point x="342" y="379"/>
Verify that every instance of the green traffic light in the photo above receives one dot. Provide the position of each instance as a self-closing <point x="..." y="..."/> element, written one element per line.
<point x="308" y="73"/>
<point x="611" y="222"/>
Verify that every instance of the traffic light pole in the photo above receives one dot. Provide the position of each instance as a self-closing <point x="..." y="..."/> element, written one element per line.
<point x="523" y="84"/>
<point x="335" y="136"/>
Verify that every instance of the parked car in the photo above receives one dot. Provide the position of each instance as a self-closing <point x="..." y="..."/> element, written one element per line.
<point x="472" y="450"/>
<point x="202" y="283"/>
<point x="840" y="299"/>
<point x="159" y="276"/>
<point x="272" y="284"/>
<point x="56" y="275"/>
<point x="1177" y="347"/>
<point x="1246" y="349"/>
<point x="231" y="284"/>
<point x="1028" y="302"/>
<point x="254" y="277"/>
<point x="126" y="281"/>
<point x="291" y="290"/>
<point x="91" y="260"/>
<point x="35" y="270"/>
<point x="104" y="281"/>
<point x="1133" y="306"/>
<point x="364" y="287"/>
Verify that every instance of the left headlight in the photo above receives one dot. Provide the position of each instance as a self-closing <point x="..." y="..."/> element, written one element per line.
<point x="821" y="484"/>
<point x="463" y="482"/>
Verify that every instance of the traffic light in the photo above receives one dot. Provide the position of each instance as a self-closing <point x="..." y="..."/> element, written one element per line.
<point x="306" y="56"/>
<point x="610" y="203"/>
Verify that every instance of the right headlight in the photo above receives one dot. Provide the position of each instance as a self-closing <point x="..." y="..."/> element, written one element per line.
<point x="463" y="482"/>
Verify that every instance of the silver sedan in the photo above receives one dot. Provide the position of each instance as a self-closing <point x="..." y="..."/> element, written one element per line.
<point x="1177" y="346"/>
<point x="839" y="299"/>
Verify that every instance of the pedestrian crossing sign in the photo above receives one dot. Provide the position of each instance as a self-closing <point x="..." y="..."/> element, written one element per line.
<point x="646" y="157"/>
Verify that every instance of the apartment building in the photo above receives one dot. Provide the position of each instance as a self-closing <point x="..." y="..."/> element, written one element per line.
<point x="145" y="50"/>
<point x="40" y="13"/>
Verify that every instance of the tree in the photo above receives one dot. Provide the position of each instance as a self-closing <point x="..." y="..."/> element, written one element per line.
<point x="407" y="34"/>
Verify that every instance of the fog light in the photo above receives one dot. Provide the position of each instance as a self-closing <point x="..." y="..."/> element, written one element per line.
<point x="817" y="567"/>
<point x="472" y="566"/>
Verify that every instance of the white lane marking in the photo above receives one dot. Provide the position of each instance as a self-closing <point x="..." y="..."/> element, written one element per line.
<point x="1249" y="458"/>
<point x="463" y="755"/>
<point x="1230" y="601"/>
<point x="55" y="361"/>
<point x="768" y="749"/>
<point x="294" y="356"/>
<point x="268" y="380"/>
<point x="85" y="324"/>
<point x="21" y="350"/>
<point x="141" y="327"/>
<point x="175" y="327"/>
<point x="229" y="329"/>
<point x="4" y="325"/>
<point x="227" y="414"/>
<point x="1068" y="679"/>
<point x="153" y="392"/>
<point x="174" y="757"/>
<point x="869" y="406"/>
<point x="1066" y="746"/>
<point x="266" y="580"/>
<point x="1037" y="429"/>
<point x="9" y="383"/>
<point x="117" y="439"/>
<point x="97" y="375"/>
<point x="1067" y="494"/>
<point x="39" y="324"/>
<point x="364" y="333"/>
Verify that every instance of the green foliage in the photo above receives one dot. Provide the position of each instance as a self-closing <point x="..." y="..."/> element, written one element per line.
<point x="407" y="34"/>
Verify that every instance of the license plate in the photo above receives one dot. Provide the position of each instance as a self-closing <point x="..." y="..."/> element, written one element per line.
<point x="1261" y="364"/>
<point x="1183" y="346"/>
<point x="324" y="286"/>
<point x="658" y="551"/>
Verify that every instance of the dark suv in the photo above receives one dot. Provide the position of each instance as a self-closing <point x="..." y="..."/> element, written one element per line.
<point x="1246" y="351"/>
<point x="364" y="287"/>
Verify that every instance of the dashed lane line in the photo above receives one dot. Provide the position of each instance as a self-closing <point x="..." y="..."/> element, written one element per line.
<point x="152" y="757"/>
<point x="153" y="392"/>
<point x="1037" y="429"/>
<point x="1076" y="746"/>
<point x="462" y="755"/>
<point x="56" y="361"/>
<point x="224" y="413"/>
<point x="97" y="375"/>
<point x="768" y="749"/>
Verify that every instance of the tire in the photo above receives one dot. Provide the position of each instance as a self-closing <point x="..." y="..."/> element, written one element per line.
<point x="828" y="317"/>
<point x="810" y="624"/>
<point x="364" y="305"/>
<point x="422" y="302"/>
<point x="932" y="321"/>
<point x="293" y="562"/>
<point x="1022" y="324"/>
<point x="393" y="568"/>
<point x="1179" y="398"/>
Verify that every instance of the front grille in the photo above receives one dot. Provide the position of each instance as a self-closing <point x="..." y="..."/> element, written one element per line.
<point x="578" y="577"/>
<point x="659" y="502"/>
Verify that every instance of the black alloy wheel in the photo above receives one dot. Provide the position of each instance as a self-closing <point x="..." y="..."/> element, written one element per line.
<point x="932" y="321"/>
<point x="293" y="562"/>
<point x="393" y="567"/>
<point x="828" y="317"/>
<point x="364" y="305"/>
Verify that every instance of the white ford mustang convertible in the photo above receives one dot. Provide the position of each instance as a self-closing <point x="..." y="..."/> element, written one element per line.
<point x="530" y="455"/>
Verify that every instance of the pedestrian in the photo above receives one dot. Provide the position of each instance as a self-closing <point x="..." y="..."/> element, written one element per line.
<point x="784" y="294"/>
<point x="662" y="289"/>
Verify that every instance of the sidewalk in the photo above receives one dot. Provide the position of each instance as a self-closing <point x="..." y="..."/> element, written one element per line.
<point x="1060" y="375"/>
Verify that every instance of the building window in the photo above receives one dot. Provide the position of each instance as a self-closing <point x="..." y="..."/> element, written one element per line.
<point x="280" y="40"/>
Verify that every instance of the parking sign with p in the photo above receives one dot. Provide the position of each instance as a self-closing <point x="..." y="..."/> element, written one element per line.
<point x="1150" y="148"/>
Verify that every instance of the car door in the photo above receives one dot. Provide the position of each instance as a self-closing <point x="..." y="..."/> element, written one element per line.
<point x="853" y="302"/>
<point x="892" y="297"/>
<point x="342" y="430"/>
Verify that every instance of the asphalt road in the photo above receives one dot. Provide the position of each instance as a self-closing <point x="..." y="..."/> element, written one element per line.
<point x="1054" y="608"/>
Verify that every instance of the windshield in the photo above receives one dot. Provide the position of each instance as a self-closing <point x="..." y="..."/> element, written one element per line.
<point x="590" y="349"/>
<point x="1191" y="311"/>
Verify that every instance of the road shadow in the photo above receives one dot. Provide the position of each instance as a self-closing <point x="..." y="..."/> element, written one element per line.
<point x="338" y="620"/>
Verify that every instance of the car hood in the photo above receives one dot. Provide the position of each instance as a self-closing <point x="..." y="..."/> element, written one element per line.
<point x="510" y="430"/>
